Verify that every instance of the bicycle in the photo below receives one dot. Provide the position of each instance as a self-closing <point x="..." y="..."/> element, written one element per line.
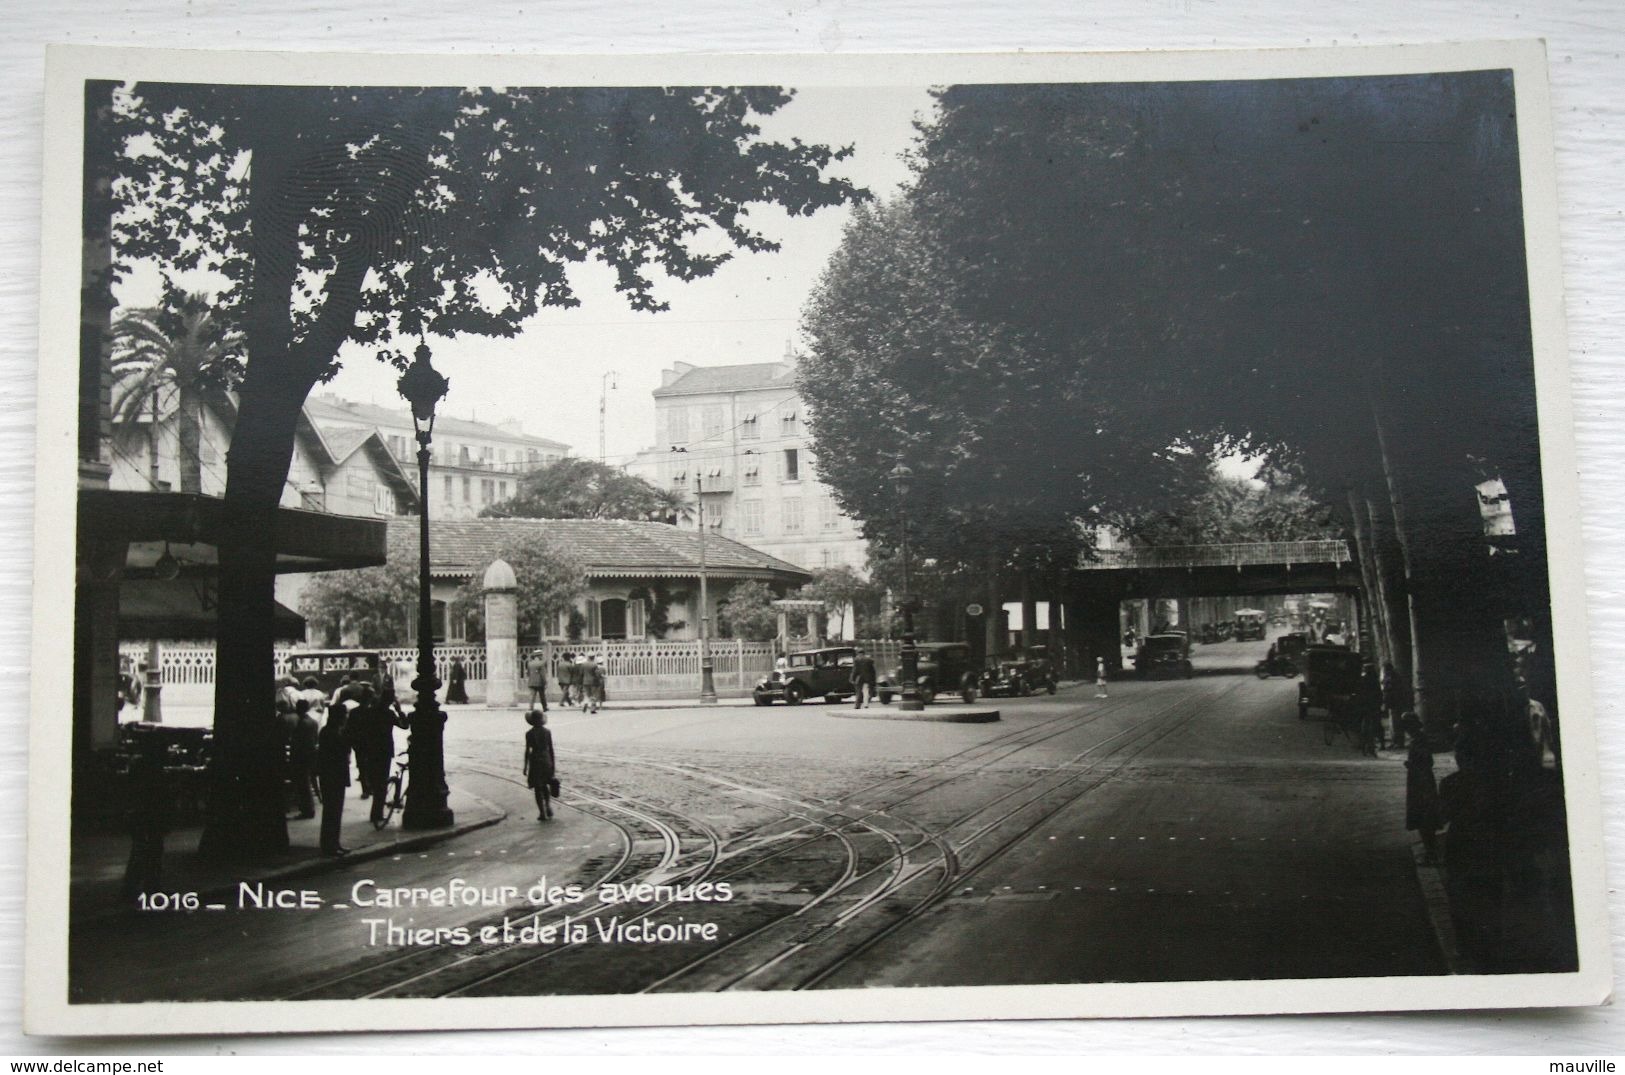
<point x="394" y="793"/>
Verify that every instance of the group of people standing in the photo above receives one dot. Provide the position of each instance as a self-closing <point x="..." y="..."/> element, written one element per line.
<point x="581" y="681"/>
<point x="321" y="734"/>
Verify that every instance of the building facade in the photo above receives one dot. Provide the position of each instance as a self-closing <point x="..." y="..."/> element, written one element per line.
<point x="473" y="464"/>
<point x="643" y="579"/>
<point x="736" y="437"/>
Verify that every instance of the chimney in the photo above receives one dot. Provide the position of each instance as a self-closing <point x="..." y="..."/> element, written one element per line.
<point x="669" y="377"/>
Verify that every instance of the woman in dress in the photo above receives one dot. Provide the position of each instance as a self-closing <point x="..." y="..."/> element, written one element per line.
<point x="539" y="762"/>
<point x="457" y="683"/>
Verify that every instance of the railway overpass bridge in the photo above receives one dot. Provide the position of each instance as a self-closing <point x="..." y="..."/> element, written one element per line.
<point x="1183" y="571"/>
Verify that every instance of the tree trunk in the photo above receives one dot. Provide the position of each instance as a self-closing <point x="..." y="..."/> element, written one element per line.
<point x="246" y="818"/>
<point x="189" y="430"/>
<point x="246" y="809"/>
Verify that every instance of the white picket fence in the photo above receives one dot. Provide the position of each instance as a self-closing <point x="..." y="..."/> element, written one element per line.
<point x="633" y="670"/>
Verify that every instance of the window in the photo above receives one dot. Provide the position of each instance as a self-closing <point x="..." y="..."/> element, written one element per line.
<point x="485" y="490"/>
<point x="449" y="486"/>
<point x="750" y="516"/>
<point x="753" y="469"/>
<point x="792" y="515"/>
<point x="828" y="557"/>
<point x="463" y="458"/>
<point x="829" y="515"/>
<point x="679" y="478"/>
<point x="636" y="626"/>
<point x="789" y="465"/>
<point x="711" y="422"/>
<point x="502" y="490"/>
<point x="787" y="424"/>
<point x="467" y="486"/>
<point x="749" y="428"/>
<point x="677" y="425"/>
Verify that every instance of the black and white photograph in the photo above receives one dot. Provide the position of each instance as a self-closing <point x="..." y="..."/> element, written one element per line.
<point x="787" y="539"/>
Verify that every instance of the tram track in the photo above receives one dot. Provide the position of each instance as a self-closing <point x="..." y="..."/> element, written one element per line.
<point x="878" y="855"/>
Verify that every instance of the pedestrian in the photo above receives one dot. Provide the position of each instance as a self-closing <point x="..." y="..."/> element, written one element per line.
<point x="379" y="721"/>
<point x="1422" y="814"/>
<point x="864" y="678"/>
<point x="592" y="684"/>
<point x="457" y="683"/>
<point x="147" y="805"/>
<point x="540" y="764"/>
<point x="536" y="679"/>
<point x="333" y="771"/>
<point x="357" y="700"/>
<point x="567" y="678"/>
<point x="1368" y="710"/>
<point x="315" y="699"/>
<point x="302" y="760"/>
<point x="1396" y="701"/>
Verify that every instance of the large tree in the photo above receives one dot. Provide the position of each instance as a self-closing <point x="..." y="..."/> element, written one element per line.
<point x="1086" y="285"/>
<point x="573" y="488"/>
<point x="342" y="215"/>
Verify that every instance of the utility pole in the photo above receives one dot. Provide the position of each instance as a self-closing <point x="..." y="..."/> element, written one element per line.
<point x="606" y="384"/>
<point x="708" y="684"/>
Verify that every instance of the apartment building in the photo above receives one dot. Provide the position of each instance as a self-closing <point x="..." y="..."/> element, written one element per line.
<point x="742" y="445"/>
<point x="473" y="464"/>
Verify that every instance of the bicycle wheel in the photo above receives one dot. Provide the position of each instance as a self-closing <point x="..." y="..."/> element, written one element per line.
<point x="391" y="801"/>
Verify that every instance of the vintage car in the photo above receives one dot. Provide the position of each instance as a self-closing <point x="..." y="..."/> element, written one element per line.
<point x="1331" y="679"/>
<point x="943" y="667"/>
<point x="825" y="673"/>
<point x="1019" y="674"/>
<point x="1164" y="654"/>
<point x="1250" y="624"/>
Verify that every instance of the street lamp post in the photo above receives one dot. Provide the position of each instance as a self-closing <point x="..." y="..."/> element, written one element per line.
<point x="426" y="790"/>
<point x="708" y="681"/>
<point x="901" y="476"/>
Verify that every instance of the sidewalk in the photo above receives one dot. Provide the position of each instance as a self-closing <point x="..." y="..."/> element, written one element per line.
<point x="98" y="859"/>
<point x="691" y="702"/>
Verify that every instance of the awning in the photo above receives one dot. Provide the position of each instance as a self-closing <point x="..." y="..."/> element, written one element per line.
<point x="185" y="610"/>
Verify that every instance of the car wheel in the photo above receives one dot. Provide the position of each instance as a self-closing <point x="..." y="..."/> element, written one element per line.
<point x="926" y="693"/>
<point x="1190" y="670"/>
<point x="969" y="694"/>
<point x="885" y="697"/>
<point x="1303" y="710"/>
<point x="1052" y="686"/>
<point x="762" y="700"/>
<point x="794" y="694"/>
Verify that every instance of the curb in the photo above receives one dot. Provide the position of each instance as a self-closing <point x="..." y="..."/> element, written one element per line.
<point x="940" y="716"/>
<point x="1430" y="878"/>
<point x="317" y="866"/>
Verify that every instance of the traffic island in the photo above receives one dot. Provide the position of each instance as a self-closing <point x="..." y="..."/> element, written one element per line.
<point x="936" y="714"/>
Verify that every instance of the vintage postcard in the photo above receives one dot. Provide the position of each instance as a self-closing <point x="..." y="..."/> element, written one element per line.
<point x="603" y="541"/>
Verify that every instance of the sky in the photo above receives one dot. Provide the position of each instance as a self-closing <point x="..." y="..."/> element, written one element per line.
<point x="551" y="375"/>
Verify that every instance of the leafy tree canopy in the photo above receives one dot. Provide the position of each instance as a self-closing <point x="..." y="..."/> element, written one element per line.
<point x="748" y="612"/>
<point x="573" y="488"/>
<point x="551" y="579"/>
<point x="376" y="603"/>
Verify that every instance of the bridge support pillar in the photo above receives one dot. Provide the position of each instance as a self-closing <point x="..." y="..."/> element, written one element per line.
<point x="1092" y="619"/>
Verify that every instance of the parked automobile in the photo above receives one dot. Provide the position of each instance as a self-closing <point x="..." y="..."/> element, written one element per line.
<point x="1292" y="645"/>
<point x="1018" y="674"/>
<point x="825" y="673"/>
<point x="1164" y="654"/>
<point x="943" y="667"/>
<point x="1331" y="679"/>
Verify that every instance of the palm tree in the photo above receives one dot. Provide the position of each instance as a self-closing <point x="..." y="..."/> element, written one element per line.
<point x="672" y="506"/>
<point x="178" y="355"/>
